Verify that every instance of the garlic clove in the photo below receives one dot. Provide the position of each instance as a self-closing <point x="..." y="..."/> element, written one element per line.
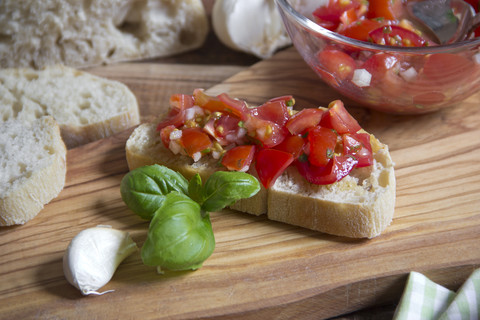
<point x="93" y="256"/>
<point x="251" y="26"/>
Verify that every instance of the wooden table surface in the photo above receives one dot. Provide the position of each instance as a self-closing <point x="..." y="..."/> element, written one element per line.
<point x="213" y="64"/>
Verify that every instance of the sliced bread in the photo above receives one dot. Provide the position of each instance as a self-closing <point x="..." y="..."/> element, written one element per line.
<point x="360" y="206"/>
<point x="32" y="168"/>
<point x="93" y="32"/>
<point x="85" y="106"/>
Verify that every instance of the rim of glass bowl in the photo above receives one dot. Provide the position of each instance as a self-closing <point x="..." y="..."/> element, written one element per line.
<point x="312" y="26"/>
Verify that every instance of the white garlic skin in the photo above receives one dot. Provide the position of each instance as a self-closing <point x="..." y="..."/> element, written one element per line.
<point x="93" y="255"/>
<point x="251" y="26"/>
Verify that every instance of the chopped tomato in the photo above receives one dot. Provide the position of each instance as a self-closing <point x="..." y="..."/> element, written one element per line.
<point x="266" y="133"/>
<point x="165" y="135"/>
<point x="239" y="158"/>
<point x="289" y="100"/>
<point x="378" y="64"/>
<point x="358" y="145"/>
<point x="292" y="144"/>
<point x="178" y="104"/>
<point x="396" y="36"/>
<point x="337" y="63"/>
<point x="361" y="29"/>
<point x="274" y="111"/>
<point x="387" y="9"/>
<point x="225" y="129"/>
<point x="448" y="69"/>
<point x="336" y="170"/>
<point x="195" y="140"/>
<point x="339" y="119"/>
<point x="270" y="164"/>
<point x="322" y="145"/>
<point x="222" y="103"/>
<point x="304" y="119"/>
<point x="329" y="16"/>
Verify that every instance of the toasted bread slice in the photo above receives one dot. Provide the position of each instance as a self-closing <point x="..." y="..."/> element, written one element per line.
<point x="360" y="206"/>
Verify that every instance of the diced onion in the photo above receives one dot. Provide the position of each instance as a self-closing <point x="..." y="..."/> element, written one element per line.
<point x="244" y="169"/>
<point x="476" y="58"/>
<point x="361" y="78"/>
<point x="216" y="155"/>
<point x="241" y="133"/>
<point x="409" y="74"/>
<point x="197" y="156"/>
<point x="175" y="147"/>
<point x="231" y="137"/>
<point x="175" y="134"/>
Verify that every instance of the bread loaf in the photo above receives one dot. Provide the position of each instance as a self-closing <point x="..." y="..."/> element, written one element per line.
<point x="360" y="205"/>
<point x="85" y="106"/>
<point x="32" y="168"/>
<point x="92" y="32"/>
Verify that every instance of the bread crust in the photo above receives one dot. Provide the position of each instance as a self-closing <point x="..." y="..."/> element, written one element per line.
<point x="359" y="206"/>
<point x="86" y="107"/>
<point x="21" y="204"/>
<point x="93" y="32"/>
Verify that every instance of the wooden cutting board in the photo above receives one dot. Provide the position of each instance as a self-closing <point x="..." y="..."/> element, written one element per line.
<point x="260" y="269"/>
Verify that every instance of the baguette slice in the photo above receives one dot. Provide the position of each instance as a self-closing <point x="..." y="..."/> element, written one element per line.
<point x="32" y="168"/>
<point x="85" y="106"/>
<point x="359" y="206"/>
<point x="92" y="32"/>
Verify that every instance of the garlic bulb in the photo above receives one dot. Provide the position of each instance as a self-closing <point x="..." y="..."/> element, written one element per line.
<point x="251" y="26"/>
<point x="93" y="255"/>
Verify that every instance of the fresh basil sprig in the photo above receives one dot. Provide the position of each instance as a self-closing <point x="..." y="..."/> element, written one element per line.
<point x="179" y="238"/>
<point x="180" y="235"/>
<point x="144" y="189"/>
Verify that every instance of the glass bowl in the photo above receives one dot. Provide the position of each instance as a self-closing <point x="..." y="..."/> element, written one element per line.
<point x="416" y="80"/>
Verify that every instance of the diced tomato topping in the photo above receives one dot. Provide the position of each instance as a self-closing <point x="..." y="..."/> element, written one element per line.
<point x="361" y="29"/>
<point x="195" y="140"/>
<point x="165" y="135"/>
<point x="222" y="103"/>
<point x="178" y="104"/>
<point x="378" y="64"/>
<point x="358" y="145"/>
<point x="338" y="118"/>
<point x="387" y="9"/>
<point x="239" y="158"/>
<point x="322" y="145"/>
<point x="270" y="164"/>
<point x="325" y="143"/>
<point x="274" y="111"/>
<point x="329" y="16"/>
<point x="337" y="63"/>
<point x="337" y="169"/>
<point x="396" y="36"/>
<point x="304" y="119"/>
<point x="292" y="144"/>
<point x="266" y="133"/>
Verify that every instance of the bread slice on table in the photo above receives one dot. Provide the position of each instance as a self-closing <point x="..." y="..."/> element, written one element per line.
<point x="360" y="205"/>
<point x="32" y="168"/>
<point x="92" y="32"/>
<point x="85" y="106"/>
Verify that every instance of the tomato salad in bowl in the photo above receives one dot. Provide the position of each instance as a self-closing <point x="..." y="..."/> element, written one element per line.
<point x="325" y="144"/>
<point x="371" y="52"/>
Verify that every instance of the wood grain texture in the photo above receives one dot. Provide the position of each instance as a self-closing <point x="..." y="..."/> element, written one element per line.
<point x="260" y="269"/>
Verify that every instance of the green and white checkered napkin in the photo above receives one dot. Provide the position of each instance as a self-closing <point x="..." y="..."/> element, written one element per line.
<point x="424" y="299"/>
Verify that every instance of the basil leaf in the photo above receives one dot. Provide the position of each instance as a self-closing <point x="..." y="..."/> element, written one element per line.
<point x="144" y="189"/>
<point x="223" y="188"/>
<point x="179" y="238"/>
<point x="195" y="189"/>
